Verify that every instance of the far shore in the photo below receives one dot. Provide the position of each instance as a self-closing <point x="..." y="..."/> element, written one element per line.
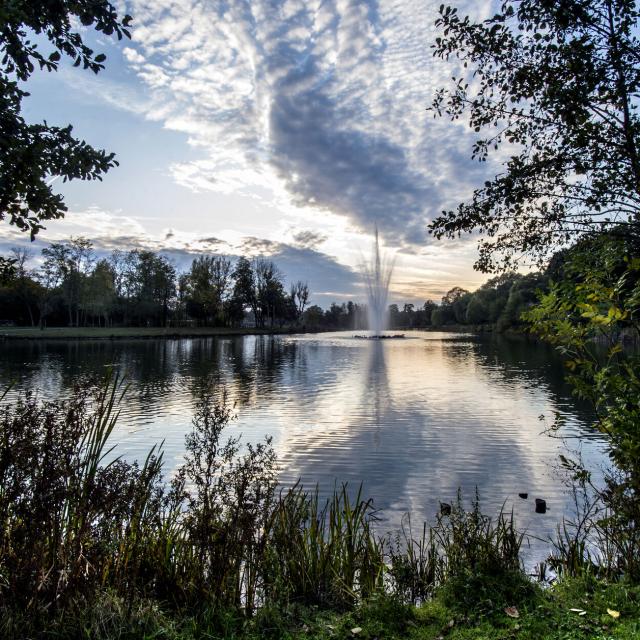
<point x="115" y="333"/>
<point x="121" y="333"/>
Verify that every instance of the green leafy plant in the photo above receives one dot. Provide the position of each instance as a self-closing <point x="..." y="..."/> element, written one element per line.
<point x="592" y="314"/>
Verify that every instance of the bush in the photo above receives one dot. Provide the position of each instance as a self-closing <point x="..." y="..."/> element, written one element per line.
<point x="589" y="314"/>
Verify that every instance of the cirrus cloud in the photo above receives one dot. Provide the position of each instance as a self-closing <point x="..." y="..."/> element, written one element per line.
<point x="322" y="100"/>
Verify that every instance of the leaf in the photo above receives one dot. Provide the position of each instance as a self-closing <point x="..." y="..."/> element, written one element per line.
<point x="613" y="613"/>
<point x="356" y="630"/>
<point x="512" y="612"/>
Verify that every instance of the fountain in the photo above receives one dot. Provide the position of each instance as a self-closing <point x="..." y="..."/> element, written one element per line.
<point x="377" y="275"/>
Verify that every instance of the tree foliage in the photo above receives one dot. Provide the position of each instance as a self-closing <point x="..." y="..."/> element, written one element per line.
<point x="589" y="314"/>
<point x="32" y="154"/>
<point x="73" y="286"/>
<point x="553" y="85"/>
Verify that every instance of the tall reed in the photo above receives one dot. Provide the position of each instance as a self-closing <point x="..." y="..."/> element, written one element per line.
<point x="77" y="523"/>
<point x="322" y="553"/>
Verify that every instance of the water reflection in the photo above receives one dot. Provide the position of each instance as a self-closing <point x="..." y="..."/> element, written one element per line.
<point x="412" y="419"/>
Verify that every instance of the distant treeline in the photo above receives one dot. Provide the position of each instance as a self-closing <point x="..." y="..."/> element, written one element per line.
<point x="73" y="287"/>
<point x="499" y="302"/>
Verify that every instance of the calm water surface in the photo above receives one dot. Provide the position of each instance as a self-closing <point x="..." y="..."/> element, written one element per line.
<point x="411" y="419"/>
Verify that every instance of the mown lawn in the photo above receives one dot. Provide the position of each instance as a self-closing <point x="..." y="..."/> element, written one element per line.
<point x="69" y="333"/>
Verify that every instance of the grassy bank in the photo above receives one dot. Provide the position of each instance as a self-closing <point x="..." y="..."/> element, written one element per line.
<point x="574" y="609"/>
<point x="114" y="333"/>
<point x="102" y="333"/>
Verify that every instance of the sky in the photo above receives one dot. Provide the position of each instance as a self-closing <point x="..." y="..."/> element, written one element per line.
<point x="262" y="127"/>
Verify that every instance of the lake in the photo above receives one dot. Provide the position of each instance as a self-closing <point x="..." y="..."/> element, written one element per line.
<point x="413" y="419"/>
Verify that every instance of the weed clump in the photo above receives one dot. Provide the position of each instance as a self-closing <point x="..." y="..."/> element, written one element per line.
<point x="480" y="560"/>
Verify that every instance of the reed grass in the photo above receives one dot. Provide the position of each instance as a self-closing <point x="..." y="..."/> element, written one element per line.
<point x="217" y="541"/>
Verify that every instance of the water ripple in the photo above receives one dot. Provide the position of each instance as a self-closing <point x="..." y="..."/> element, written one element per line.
<point x="412" y="419"/>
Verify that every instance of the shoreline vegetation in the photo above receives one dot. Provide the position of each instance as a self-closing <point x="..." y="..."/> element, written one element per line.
<point x="120" y="333"/>
<point x="74" y="288"/>
<point x="115" y="333"/>
<point x="98" y="547"/>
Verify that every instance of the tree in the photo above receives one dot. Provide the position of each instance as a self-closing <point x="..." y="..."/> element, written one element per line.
<point x="208" y="289"/>
<point x="409" y="315"/>
<point x="427" y="309"/>
<point x="30" y="154"/>
<point x="453" y="295"/>
<point x="49" y="277"/>
<point x="453" y="308"/>
<point x="438" y="317"/>
<point x="100" y="295"/>
<point x="313" y="316"/>
<point x="394" y="315"/>
<point x="124" y="266"/>
<point x="488" y="302"/>
<point x="477" y="310"/>
<point x="67" y="264"/>
<point x="269" y="289"/>
<point x="523" y="295"/>
<point x="7" y="269"/>
<point x="156" y="287"/>
<point x="244" y="290"/>
<point x="300" y="295"/>
<point x="26" y="289"/>
<point x="558" y="81"/>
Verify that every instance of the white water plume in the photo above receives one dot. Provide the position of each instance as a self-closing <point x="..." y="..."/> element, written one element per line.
<point x="377" y="275"/>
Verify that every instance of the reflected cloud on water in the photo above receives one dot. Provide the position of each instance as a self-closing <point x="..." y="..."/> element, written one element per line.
<point x="412" y="419"/>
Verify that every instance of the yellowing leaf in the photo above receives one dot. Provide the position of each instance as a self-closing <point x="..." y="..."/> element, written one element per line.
<point x="613" y="613"/>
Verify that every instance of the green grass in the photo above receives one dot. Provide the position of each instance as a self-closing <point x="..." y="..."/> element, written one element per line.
<point x="547" y="615"/>
<point x="67" y="333"/>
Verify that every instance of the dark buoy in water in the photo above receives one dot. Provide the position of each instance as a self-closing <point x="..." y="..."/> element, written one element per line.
<point x="541" y="505"/>
<point x="524" y="496"/>
<point x="445" y="509"/>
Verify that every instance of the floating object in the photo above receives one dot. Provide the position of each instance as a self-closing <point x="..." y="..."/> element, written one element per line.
<point x="524" y="496"/>
<point x="396" y="336"/>
<point x="445" y="509"/>
<point x="541" y="505"/>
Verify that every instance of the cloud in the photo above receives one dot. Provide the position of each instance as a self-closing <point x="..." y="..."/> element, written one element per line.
<point x="327" y="278"/>
<point x="309" y="239"/>
<point x="323" y="100"/>
<point x="259" y="246"/>
<point x="211" y="241"/>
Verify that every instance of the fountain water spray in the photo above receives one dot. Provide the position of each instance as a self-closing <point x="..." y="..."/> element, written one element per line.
<point x="377" y="275"/>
